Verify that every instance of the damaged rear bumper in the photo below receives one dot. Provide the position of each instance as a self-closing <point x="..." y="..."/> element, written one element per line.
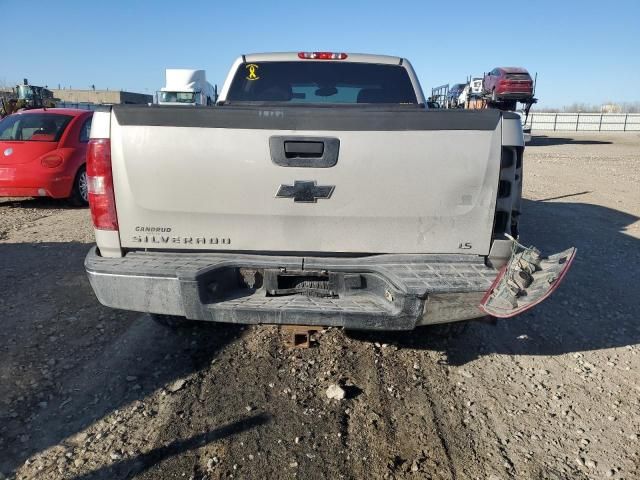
<point x="384" y="292"/>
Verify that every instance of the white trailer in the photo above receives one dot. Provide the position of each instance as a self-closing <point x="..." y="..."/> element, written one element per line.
<point x="185" y="86"/>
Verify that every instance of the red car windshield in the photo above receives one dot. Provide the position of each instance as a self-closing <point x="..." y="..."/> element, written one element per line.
<point x="34" y="127"/>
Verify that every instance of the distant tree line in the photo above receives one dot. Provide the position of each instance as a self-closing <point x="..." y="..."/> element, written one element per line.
<point x="609" y="107"/>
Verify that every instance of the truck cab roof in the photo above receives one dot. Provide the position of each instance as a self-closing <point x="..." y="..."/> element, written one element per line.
<point x="295" y="56"/>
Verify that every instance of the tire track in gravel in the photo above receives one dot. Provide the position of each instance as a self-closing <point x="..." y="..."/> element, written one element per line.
<point x="306" y="431"/>
<point x="443" y="414"/>
<point x="189" y="430"/>
<point x="406" y="430"/>
<point x="369" y="437"/>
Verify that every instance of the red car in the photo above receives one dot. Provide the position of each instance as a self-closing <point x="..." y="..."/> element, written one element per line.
<point x="508" y="83"/>
<point x="42" y="154"/>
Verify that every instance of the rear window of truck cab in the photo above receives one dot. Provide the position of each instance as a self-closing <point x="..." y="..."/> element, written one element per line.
<point x="325" y="82"/>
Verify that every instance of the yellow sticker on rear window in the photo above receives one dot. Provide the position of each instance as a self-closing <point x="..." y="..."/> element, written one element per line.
<point x="252" y="71"/>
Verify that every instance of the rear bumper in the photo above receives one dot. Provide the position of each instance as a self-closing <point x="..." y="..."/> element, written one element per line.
<point x="28" y="180"/>
<point x="385" y="292"/>
<point x="514" y="94"/>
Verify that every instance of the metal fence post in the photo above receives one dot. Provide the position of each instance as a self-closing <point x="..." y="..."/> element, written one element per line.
<point x="600" y="125"/>
<point x="624" y="129"/>
<point x="577" y="121"/>
<point x="555" y="121"/>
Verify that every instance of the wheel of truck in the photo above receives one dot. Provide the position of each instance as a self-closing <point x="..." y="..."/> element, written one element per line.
<point x="80" y="190"/>
<point x="448" y="330"/>
<point x="170" y="321"/>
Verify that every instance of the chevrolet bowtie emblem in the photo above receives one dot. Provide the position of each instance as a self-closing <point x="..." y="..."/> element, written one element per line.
<point x="305" y="191"/>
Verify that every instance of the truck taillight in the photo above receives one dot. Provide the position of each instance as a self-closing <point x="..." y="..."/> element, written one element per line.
<point x="100" y="184"/>
<point x="322" y="56"/>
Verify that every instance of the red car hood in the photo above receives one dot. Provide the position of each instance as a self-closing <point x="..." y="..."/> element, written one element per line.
<point x="16" y="153"/>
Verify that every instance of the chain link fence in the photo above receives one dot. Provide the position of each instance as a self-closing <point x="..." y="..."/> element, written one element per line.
<point x="588" y="122"/>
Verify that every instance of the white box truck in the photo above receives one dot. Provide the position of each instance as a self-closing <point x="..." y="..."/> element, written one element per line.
<point x="186" y="87"/>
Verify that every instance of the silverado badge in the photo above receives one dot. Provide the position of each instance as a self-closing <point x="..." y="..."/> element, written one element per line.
<point x="306" y="191"/>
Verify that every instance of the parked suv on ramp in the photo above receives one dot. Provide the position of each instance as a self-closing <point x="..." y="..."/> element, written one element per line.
<point x="508" y="83"/>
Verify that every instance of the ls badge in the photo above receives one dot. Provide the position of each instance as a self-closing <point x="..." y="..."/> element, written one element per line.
<point x="305" y="191"/>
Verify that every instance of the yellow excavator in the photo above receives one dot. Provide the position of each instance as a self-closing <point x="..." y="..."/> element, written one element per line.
<point x="25" y="97"/>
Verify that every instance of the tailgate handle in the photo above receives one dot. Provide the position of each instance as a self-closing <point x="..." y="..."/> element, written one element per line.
<point x="303" y="149"/>
<point x="310" y="152"/>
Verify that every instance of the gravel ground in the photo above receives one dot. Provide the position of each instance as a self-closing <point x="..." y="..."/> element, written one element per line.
<point x="92" y="393"/>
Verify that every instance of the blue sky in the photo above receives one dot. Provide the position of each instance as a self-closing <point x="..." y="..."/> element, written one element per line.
<point x="583" y="51"/>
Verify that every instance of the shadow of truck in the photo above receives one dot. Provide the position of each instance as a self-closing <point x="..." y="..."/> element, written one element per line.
<point x="67" y="362"/>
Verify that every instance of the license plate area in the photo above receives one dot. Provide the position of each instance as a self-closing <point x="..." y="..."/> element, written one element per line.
<point x="320" y="284"/>
<point x="271" y="285"/>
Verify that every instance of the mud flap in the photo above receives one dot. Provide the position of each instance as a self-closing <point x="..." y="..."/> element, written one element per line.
<point x="525" y="281"/>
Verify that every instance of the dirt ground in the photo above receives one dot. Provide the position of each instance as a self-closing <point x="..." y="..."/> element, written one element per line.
<point x="91" y="393"/>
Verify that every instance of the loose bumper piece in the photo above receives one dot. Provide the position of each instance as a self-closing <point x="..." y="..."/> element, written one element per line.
<point x="525" y="281"/>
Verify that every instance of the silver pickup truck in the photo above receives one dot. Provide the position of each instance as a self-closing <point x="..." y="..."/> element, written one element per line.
<point x="318" y="191"/>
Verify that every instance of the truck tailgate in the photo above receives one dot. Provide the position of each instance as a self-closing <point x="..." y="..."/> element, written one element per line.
<point x="256" y="179"/>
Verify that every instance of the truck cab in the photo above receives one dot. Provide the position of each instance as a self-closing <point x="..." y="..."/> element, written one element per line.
<point x="185" y="87"/>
